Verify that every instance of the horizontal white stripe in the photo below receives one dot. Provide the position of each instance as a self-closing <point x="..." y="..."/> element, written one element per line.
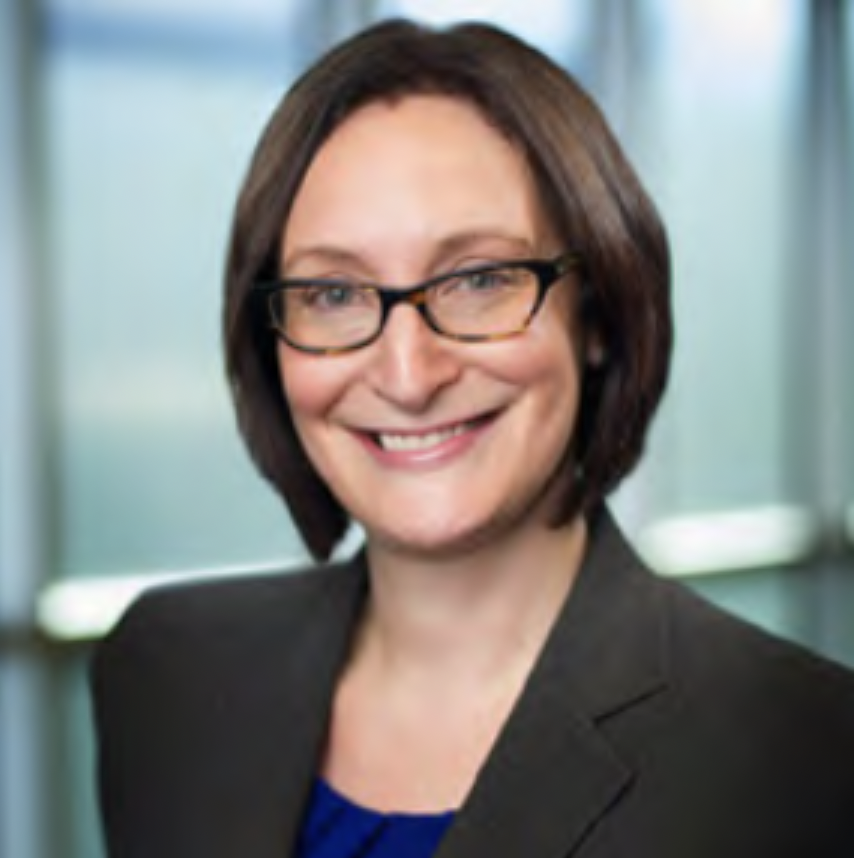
<point x="731" y="541"/>
<point x="681" y="546"/>
<point x="87" y="608"/>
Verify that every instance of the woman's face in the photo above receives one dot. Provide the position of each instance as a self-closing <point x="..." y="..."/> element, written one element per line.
<point x="432" y="445"/>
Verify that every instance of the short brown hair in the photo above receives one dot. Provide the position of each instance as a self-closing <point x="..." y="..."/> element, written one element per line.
<point x="595" y="201"/>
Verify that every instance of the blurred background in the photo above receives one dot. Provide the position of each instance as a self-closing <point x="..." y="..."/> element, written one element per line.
<point x="125" y="129"/>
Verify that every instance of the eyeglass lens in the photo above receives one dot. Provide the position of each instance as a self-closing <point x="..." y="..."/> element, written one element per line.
<point x="476" y="304"/>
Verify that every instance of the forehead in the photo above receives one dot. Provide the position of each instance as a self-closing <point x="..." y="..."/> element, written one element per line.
<point x="414" y="171"/>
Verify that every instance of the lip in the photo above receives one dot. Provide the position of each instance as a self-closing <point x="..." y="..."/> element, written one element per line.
<point x="444" y="442"/>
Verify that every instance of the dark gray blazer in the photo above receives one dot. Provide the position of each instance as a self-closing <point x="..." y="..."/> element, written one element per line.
<point x="652" y="726"/>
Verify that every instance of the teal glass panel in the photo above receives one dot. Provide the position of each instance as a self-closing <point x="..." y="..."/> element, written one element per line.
<point x="715" y="105"/>
<point x="144" y="156"/>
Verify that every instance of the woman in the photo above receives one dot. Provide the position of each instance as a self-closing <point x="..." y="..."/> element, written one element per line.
<point x="447" y="319"/>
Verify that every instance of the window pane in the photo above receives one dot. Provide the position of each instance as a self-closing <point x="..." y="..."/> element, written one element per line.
<point x="719" y="94"/>
<point x="847" y="287"/>
<point x="145" y="153"/>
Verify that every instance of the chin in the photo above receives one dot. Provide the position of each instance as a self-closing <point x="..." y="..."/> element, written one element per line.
<point x="445" y="541"/>
<point x="427" y="548"/>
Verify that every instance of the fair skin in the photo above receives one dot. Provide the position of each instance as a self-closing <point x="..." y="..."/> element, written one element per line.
<point x="466" y="575"/>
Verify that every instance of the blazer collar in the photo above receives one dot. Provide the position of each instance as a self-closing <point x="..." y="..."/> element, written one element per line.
<point x="285" y="667"/>
<point x="318" y="658"/>
<point x="552" y="773"/>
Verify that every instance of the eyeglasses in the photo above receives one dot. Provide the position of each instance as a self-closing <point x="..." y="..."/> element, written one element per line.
<point x="478" y="304"/>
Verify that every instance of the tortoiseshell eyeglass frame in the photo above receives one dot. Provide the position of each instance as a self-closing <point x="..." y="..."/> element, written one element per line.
<point x="547" y="273"/>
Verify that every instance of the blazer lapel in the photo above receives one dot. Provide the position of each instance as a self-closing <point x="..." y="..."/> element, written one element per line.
<point x="287" y="678"/>
<point x="322" y="652"/>
<point x="553" y="773"/>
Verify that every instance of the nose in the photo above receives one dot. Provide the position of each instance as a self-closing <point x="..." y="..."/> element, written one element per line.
<point x="411" y="364"/>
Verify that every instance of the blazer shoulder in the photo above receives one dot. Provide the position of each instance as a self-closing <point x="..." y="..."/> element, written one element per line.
<point x="182" y="618"/>
<point x="209" y="704"/>
<point x="718" y="653"/>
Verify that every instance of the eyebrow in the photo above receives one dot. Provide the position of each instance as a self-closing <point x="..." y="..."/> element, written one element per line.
<point x="451" y="245"/>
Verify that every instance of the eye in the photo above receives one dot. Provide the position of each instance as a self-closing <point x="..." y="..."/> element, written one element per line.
<point x="487" y="279"/>
<point x="327" y="297"/>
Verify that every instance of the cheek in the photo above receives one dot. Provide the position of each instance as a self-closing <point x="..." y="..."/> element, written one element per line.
<point x="550" y="376"/>
<point x="311" y="385"/>
<point x="548" y="359"/>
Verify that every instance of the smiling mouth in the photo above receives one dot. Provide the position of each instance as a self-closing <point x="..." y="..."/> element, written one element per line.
<point x="411" y="441"/>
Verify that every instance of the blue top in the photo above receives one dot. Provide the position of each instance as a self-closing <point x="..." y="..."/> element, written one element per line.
<point x="335" y="827"/>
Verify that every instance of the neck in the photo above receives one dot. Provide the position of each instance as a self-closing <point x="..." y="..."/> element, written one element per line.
<point x="483" y="614"/>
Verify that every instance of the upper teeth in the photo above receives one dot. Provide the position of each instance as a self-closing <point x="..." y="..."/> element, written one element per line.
<point x="419" y="442"/>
